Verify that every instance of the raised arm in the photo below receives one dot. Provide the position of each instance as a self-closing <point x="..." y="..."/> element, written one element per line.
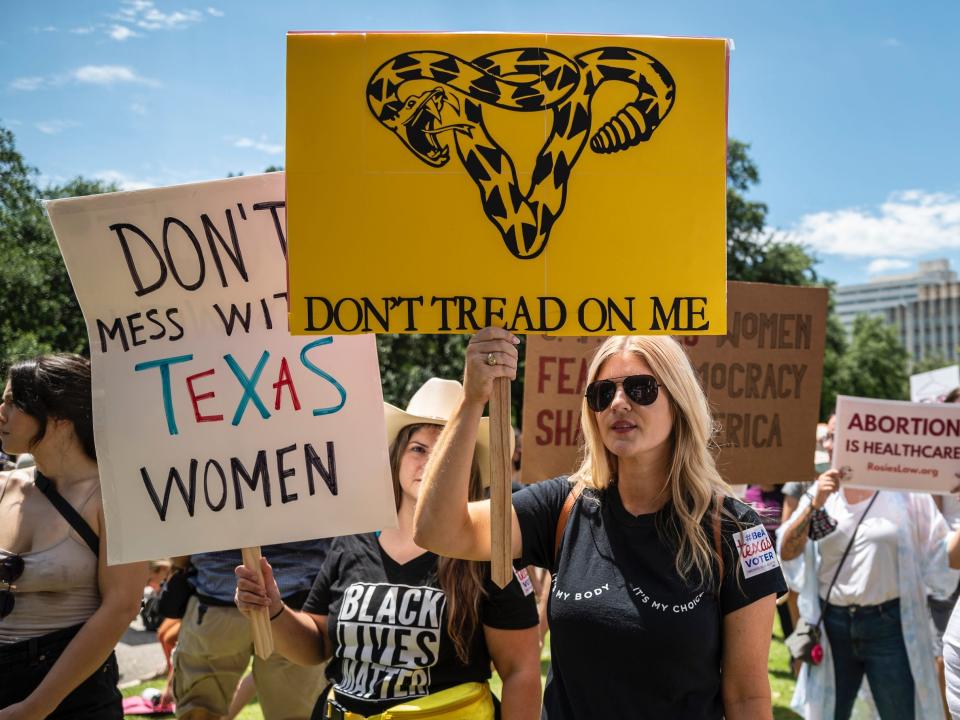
<point x="445" y="522"/>
<point x="795" y="536"/>
<point x="299" y="636"/>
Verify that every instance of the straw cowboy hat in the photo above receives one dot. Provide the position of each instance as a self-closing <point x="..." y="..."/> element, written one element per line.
<point x="433" y="404"/>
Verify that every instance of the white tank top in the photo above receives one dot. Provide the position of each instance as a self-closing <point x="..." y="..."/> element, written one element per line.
<point x="58" y="587"/>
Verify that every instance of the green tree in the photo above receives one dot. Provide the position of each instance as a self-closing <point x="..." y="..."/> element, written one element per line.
<point x="407" y="361"/>
<point x="928" y="363"/>
<point x="875" y="364"/>
<point x="40" y="311"/>
<point x="835" y="346"/>
<point x="753" y="254"/>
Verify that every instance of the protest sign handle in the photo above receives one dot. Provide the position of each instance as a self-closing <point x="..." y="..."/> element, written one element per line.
<point x="501" y="562"/>
<point x="259" y="620"/>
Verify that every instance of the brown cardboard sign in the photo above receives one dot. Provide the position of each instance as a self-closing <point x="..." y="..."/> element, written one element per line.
<point x="762" y="380"/>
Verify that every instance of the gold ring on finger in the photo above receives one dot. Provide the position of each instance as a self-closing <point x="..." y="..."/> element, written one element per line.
<point x="491" y="359"/>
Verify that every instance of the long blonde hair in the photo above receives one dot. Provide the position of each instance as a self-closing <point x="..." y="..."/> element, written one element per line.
<point x="693" y="480"/>
<point x="461" y="580"/>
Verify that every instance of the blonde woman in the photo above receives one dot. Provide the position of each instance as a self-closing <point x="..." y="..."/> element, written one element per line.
<point x="647" y="619"/>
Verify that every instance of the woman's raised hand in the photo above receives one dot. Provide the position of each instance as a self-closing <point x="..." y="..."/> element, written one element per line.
<point x="251" y="594"/>
<point x="827" y="484"/>
<point x="492" y="353"/>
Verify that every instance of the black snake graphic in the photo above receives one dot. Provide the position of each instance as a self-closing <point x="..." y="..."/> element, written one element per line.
<point x="526" y="80"/>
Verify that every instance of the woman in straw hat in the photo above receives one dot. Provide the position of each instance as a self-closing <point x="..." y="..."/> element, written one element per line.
<point x="664" y="584"/>
<point x="400" y="623"/>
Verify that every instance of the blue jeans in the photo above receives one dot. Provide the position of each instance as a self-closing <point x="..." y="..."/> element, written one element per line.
<point x="869" y="640"/>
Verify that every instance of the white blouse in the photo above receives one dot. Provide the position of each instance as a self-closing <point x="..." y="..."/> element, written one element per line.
<point x="870" y="574"/>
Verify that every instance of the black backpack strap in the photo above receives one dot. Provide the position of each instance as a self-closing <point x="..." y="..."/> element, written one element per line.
<point x="718" y="540"/>
<point x="76" y="521"/>
<point x="568" y="504"/>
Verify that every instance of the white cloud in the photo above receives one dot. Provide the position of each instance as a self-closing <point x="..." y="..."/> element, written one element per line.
<point x="885" y="265"/>
<point x="83" y="30"/>
<point x="109" y="75"/>
<point x="27" y="83"/>
<point x="909" y="224"/>
<point x="46" y="29"/>
<point x="261" y="145"/>
<point x="213" y="11"/>
<point x="145" y="15"/>
<point x="121" y="32"/>
<point x="44" y="180"/>
<point x="85" y="75"/>
<point x="55" y="127"/>
<point x="124" y="181"/>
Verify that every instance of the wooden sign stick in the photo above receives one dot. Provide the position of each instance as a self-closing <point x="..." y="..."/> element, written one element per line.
<point x="501" y="560"/>
<point x="259" y="621"/>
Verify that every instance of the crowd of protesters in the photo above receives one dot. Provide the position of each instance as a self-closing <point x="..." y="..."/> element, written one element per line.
<point x="633" y="562"/>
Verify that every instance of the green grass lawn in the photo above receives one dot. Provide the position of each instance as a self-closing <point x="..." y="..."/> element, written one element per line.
<point x="781" y="682"/>
<point x="781" y="679"/>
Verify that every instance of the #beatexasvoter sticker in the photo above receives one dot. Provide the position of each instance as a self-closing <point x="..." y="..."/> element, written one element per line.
<point x="756" y="551"/>
<point x="524" y="579"/>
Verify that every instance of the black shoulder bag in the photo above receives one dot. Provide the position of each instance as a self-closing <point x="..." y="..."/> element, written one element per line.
<point x="804" y="641"/>
<point x="175" y="593"/>
<point x="76" y="521"/>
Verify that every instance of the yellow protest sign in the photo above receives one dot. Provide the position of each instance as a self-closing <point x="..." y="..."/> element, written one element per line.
<point x="559" y="184"/>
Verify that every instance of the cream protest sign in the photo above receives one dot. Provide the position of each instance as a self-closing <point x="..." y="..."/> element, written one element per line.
<point x="558" y="184"/>
<point x="762" y="380"/>
<point x="215" y="428"/>
<point x="895" y="445"/>
<point x="935" y="385"/>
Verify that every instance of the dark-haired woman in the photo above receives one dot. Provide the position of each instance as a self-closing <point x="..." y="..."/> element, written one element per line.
<point x="401" y="626"/>
<point x="62" y="609"/>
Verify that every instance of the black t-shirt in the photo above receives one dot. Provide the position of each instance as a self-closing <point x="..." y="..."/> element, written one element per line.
<point x="629" y="637"/>
<point x="388" y="625"/>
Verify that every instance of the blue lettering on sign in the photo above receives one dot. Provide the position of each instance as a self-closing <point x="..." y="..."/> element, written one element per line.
<point x="754" y="534"/>
<point x="249" y="385"/>
<point x="164" y="365"/>
<point x="313" y="368"/>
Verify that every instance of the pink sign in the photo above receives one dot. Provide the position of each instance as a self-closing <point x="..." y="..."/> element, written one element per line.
<point x="894" y="445"/>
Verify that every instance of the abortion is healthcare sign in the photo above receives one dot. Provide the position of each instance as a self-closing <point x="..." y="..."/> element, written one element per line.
<point x="215" y="428"/>
<point x="893" y="445"/>
<point x="549" y="184"/>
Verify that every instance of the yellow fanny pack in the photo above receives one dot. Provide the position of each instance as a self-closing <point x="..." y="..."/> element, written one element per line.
<point x="467" y="701"/>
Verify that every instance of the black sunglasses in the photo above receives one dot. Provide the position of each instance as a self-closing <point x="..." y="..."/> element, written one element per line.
<point x="11" y="568"/>
<point x="641" y="389"/>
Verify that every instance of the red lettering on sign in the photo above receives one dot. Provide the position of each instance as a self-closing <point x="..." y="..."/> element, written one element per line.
<point x="755" y="548"/>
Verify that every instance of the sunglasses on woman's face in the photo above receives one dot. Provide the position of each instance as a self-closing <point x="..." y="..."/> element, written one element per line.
<point x="641" y="389"/>
<point x="11" y="568"/>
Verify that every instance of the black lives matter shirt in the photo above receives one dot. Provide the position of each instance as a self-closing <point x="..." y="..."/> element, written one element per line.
<point x="388" y="625"/>
<point x="629" y="637"/>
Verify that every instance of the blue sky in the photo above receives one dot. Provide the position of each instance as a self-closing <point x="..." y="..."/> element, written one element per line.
<point x="852" y="109"/>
